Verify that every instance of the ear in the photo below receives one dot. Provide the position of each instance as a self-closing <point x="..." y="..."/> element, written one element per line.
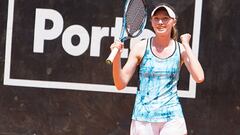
<point x="175" y="22"/>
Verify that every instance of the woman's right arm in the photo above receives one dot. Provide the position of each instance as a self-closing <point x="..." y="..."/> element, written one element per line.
<point x="122" y="76"/>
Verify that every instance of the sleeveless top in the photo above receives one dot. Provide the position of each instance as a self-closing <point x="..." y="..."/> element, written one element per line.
<point x="156" y="98"/>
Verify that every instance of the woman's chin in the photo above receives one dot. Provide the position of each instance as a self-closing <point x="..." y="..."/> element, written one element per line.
<point x="160" y="31"/>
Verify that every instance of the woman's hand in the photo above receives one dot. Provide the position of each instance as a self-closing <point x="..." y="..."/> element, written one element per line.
<point x="117" y="44"/>
<point x="185" y="38"/>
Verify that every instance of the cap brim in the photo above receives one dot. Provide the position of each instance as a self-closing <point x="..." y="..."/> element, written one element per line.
<point x="168" y="9"/>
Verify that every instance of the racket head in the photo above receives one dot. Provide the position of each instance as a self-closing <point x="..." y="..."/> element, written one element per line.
<point x="134" y="19"/>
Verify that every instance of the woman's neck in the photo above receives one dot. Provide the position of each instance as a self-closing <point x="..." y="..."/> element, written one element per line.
<point x="161" y="42"/>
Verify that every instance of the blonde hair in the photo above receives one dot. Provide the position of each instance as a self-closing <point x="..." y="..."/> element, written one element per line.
<point x="174" y="33"/>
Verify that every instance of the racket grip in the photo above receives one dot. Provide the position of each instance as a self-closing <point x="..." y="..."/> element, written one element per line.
<point x="112" y="55"/>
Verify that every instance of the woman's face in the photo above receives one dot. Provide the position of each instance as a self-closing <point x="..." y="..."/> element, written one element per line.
<point x="162" y="23"/>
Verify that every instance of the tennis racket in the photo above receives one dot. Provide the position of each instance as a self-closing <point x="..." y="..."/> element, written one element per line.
<point x="133" y="23"/>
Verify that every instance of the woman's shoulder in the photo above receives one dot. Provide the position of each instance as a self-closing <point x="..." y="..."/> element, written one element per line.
<point x="139" y="44"/>
<point x="181" y="47"/>
<point x="139" y="49"/>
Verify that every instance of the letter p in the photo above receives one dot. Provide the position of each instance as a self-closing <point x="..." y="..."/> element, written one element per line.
<point x="40" y="33"/>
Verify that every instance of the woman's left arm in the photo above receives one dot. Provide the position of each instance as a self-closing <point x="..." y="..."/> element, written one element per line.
<point x="191" y="62"/>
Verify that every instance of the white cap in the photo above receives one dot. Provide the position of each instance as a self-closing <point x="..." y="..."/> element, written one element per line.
<point x="167" y="8"/>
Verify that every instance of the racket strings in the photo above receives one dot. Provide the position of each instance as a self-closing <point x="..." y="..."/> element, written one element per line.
<point x="135" y="17"/>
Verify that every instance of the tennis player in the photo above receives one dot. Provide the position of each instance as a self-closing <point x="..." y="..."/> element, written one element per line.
<point x="157" y="110"/>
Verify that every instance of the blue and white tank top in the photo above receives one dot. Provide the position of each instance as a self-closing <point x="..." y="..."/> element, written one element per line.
<point x="156" y="98"/>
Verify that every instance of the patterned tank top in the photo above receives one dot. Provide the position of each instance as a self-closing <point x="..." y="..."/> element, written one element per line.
<point x="156" y="98"/>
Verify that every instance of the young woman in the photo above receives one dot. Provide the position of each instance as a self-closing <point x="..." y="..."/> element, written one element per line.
<point x="157" y="110"/>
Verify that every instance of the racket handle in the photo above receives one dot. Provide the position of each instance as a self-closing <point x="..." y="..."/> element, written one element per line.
<point x="112" y="55"/>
